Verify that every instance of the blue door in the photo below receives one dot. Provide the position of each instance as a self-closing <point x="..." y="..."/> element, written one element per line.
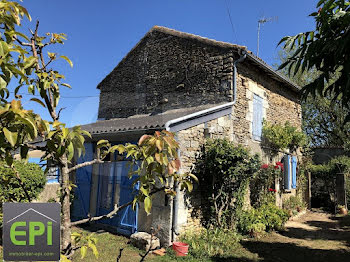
<point x="81" y="203"/>
<point x="116" y="187"/>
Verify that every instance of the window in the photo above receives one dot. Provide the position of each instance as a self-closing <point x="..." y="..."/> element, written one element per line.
<point x="257" y="117"/>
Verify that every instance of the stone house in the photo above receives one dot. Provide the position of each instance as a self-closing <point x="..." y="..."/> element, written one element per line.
<point x="196" y="87"/>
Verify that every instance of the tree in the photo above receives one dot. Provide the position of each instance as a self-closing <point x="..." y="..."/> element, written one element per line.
<point x="324" y="118"/>
<point x="24" y="58"/>
<point x="325" y="49"/>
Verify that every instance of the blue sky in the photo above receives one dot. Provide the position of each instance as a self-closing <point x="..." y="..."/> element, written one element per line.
<point x="100" y="33"/>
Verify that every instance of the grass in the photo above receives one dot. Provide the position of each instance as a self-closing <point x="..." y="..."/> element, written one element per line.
<point x="109" y="245"/>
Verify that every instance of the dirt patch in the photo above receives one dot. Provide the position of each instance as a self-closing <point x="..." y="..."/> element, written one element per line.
<point x="314" y="236"/>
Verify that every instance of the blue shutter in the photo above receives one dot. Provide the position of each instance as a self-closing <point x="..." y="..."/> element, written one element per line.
<point x="257" y="117"/>
<point x="81" y="204"/>
<point x="294" y="172"/>
<point x="287" y="171"/>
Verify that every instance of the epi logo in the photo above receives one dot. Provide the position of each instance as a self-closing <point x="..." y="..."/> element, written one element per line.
<point x="35" y="229"/>
<point x="31" y="231"/>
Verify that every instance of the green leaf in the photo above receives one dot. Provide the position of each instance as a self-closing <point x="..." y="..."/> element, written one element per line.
<point x="65" y="132"/>
<point x="3" y="83"/>
<point x="38" y="101"/>
<point x="3" y="49"/>
<point x="86" y="133"/>
<point x="66" y="85"/>
<point x="144" y="191"/>
<point x="10" y="136"/>
<point x="67" y="59"/>
<point x="70" y="149"/>
<point x="83" y="251"/>
<point x="148" y="205"/>
<point x="29" y="62"/>
<point x="103" y="141"/>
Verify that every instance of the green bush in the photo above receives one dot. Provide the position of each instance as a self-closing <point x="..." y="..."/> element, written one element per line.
<point x="224" y="171"/>
<point x="263" y="183"/>
<point x="266" y="218"/>
<point x="210" y="242"/>
<point x="281" y="137"/>
<point x="32" y="176"/>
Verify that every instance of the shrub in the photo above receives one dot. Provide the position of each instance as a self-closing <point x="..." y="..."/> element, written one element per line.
<point x="32" y="176"/>
<point x="281" y="137"/>
<point x="223" y="171"/>
<point x="266" y="218"/>
<point x="11" y="191"/>
<point x="210" y="242"/>
<point x="263" y="183"/>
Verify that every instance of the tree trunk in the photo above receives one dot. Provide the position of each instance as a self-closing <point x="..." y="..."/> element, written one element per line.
<point x="66" y="223"/>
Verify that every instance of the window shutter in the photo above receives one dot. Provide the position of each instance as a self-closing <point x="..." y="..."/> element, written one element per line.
<point x="287" y="172"/>
<point x="294" y="172"/>
<point x="257" y="117"/>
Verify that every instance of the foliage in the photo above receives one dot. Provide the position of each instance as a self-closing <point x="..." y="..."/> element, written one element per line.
<point x="27" y="60"/>
<point x="158" y="163"/>
<point x="84" y="242"/>
<point x="10" y="189"/>
<point x="32" y="176"/>
<point x="223" y="170"/>
<point x="265" y="218"/>
<point x="210" y="242"/>
<point x="323" y="117"/>
<point x="262" y="185"/>
<point x="326" y="172"/>
<point x="326" y="49"/>
<point x="281" y="137"/>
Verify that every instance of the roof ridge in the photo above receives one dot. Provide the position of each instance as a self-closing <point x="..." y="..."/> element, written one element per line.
<point x="182" y="34"/>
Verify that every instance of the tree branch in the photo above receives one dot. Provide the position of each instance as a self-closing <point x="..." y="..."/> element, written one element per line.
<point x="109" y="215"/>
<point x="89" y="163"/>
<point x="113" y="212"/>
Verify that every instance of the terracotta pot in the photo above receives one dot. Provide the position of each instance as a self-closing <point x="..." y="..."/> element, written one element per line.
<point x="343" y="211"/>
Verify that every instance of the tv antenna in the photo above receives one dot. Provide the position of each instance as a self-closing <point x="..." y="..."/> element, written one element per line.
<point x="262" y="21"/>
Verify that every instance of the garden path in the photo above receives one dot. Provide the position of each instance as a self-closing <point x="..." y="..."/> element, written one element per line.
<point x="314" y="236"/>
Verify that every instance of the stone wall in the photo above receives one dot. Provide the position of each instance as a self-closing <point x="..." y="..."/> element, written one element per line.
<point x="166" y="72"/>
<point x="191" y="141"/>
<point x="280" y="104"/>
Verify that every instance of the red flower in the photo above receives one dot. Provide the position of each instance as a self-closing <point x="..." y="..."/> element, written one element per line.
<point x="272" y="190"/>
<point x="279" y="165"/>
<point x="265" y="166"/>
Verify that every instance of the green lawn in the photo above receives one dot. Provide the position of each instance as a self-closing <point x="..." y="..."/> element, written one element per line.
<point x="109" y="245"/>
